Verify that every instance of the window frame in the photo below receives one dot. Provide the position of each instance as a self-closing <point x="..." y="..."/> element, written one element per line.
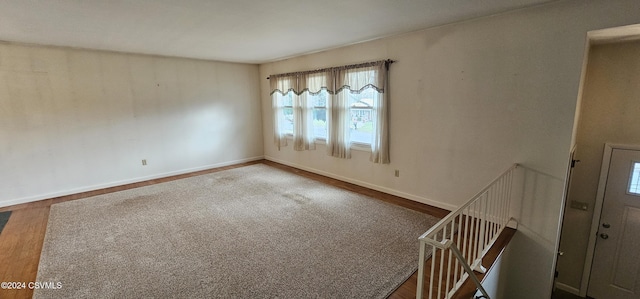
<point x="629" y="190"/>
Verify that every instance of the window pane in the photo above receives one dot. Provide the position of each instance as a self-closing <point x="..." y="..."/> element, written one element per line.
<point x="320" y="99"/>
<point x="320" y="123"/>
<point x="287" y="99"/>
<point x="319" y="102"/>
<point x="634" y="182"/>
<point x="287" y="126"/>
<point x="362" y="122"/>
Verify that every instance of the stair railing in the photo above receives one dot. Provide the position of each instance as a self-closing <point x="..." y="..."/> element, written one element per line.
<point x="458" y="242"/>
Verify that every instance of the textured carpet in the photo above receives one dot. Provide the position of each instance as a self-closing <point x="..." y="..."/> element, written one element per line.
<point x="4" y="218"/>
<point x="250" y="232"/>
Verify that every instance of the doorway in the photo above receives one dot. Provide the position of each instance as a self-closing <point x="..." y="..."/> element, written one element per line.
<point x="605" y="114"/>
<point x="616" y="263"/>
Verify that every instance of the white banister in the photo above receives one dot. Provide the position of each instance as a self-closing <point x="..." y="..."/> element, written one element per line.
<point x="460" y="240"/>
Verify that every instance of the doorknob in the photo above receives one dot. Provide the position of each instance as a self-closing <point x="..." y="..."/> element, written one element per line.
<point x="604" y="236"/>
<point x="606" y="225"/>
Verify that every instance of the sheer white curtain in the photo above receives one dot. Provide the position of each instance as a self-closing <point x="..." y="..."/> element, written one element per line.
<point x="303" y="138"/>
<point x="279" y="88"/>
<point x="299" y="86"/>
<point x="380" y="142"/>
<point x="355" y="80"/>
<point x="339" y="133"/>
<point x="308" y="83"/>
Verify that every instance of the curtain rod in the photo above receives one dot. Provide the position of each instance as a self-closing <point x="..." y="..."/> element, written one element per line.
<point x="351" y="66"/>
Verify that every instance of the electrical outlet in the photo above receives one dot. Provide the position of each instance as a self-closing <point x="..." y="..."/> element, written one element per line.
<point x="397" y="173"/>
<point x="144" y="162"/>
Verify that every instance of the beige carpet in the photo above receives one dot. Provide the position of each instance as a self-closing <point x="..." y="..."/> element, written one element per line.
<point x="250" y="232"/>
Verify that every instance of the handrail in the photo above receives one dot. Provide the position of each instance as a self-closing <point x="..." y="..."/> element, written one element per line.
<point x="444" y="220"/>
<point x="465" y="235"/>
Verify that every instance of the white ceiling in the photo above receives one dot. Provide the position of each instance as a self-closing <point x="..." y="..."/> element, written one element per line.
<point x="251" y="31"/>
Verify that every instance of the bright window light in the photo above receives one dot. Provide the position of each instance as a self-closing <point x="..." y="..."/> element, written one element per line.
<point x="634" y="182"/>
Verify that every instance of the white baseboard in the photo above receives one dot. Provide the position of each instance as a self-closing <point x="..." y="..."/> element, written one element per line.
<point x="567" y="288"/>
<point x="28" y="199"/>
<point x="413" y="197"/>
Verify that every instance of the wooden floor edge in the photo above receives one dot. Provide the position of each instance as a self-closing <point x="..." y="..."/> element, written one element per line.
<point x="85" y="194"/>
<point x="401" y="201"/>
<point x="387" y="197"/>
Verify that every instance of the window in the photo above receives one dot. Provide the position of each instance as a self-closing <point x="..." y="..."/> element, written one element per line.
<point x="361" y="113"/>
<point x="343" y="106"/>
<point x="634" y="181"/>
<point x="319" y="106"/>
<point x="287" y="111"/>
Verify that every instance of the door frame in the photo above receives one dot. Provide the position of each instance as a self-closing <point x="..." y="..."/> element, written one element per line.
<point x="565" y="196"/>
<point x="597" y="210"/>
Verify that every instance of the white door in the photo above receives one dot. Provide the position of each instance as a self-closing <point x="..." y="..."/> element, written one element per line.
<point x="615" y="272"/>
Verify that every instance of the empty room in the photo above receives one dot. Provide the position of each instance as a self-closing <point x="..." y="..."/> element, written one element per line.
<point x="313" y="149"/>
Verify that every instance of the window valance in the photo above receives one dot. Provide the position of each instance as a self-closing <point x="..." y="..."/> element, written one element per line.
<point x="354" y="78"/>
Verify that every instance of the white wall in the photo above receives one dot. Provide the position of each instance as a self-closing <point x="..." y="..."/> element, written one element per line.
<point x="75" y="120"/>
<point x="467" y="101"/>
<point x="609" y="113"/>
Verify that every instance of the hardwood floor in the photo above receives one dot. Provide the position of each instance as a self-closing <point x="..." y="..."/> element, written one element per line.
<point x="20" y="246"/>
<point x="22" y="238"/>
